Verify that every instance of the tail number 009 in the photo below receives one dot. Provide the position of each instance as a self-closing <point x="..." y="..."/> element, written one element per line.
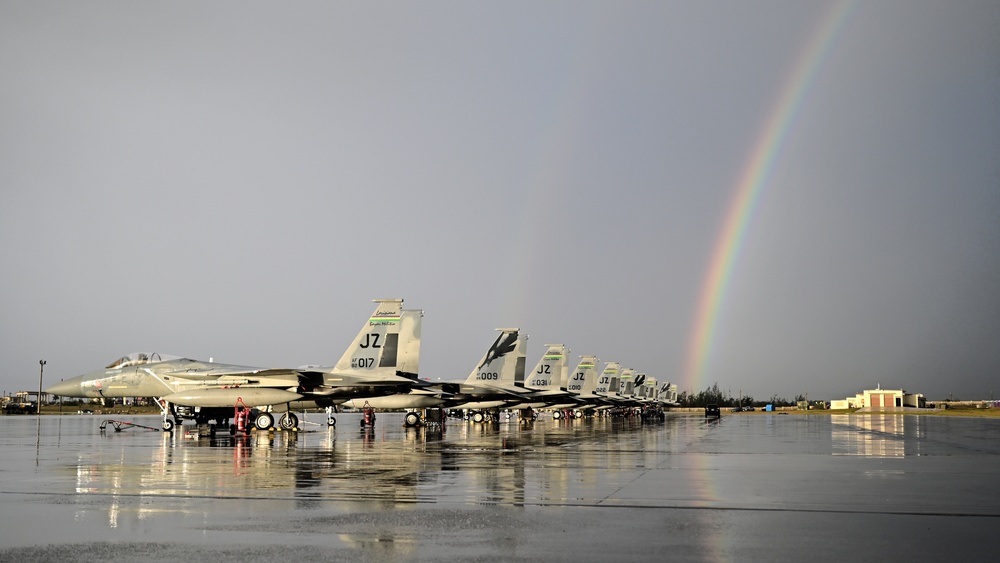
<point x="485" y="375"/>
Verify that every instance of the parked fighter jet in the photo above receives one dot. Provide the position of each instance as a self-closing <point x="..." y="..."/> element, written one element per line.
<point x="608" y="383"/>
<point x="584" y="383"/>
<point x="576" y="388"/>
<point x="547" y="382"/>
<point x="496" y="381"/>
<point x="667" y="395"/>
<point x="206" y="391"/>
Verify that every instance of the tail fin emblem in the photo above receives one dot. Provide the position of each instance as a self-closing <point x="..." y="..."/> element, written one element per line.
<point x="504" y="344"/>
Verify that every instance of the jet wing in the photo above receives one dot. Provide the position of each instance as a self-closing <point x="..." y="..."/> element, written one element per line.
<point x="360" y="379"/>
<point x="226" y="370"/>
<point x="462" y="388"/>
<point x="307" y="381"/>
<point x="337" y="379"/>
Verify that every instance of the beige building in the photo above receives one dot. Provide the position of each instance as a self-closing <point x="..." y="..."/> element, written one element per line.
<point x="879" y="398"/>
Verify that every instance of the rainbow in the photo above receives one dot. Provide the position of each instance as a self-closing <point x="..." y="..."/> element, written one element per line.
<point x="751" y="185"/>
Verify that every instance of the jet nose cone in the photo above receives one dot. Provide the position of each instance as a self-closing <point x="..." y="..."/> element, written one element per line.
<point x="68" y="388"/>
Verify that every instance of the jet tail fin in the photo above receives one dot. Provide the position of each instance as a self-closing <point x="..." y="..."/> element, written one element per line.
<point x="626" y="384"/>
<point x="408" y="364"/>
<point x="668" y="394"/>
<point x="503" y="363"/>
<point x="376" y="348"/>
<point x="607" y="383"/>
<point x="583" y="381"/>
<point x="550" y="371"/>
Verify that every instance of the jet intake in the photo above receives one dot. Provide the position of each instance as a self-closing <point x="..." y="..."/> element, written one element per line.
<point x="251" y="396"/>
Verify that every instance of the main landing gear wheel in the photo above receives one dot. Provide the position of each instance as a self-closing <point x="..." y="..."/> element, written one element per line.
<point x="263" y="421"/>
<point x="411" y="419"/>
<point x="288" y="421"/>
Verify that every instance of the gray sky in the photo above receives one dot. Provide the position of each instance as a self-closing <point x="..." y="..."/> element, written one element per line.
<point x="239" y="180"/>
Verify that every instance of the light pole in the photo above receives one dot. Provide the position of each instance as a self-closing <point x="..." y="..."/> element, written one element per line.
<point x="41" y="370"/>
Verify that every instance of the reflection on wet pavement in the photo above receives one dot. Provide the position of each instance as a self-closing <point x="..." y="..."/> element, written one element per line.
<point x="405" y="493"/>
<point x="570" y="461"/>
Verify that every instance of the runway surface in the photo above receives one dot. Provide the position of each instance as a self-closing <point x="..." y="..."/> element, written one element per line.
<point x="780" y="487"/>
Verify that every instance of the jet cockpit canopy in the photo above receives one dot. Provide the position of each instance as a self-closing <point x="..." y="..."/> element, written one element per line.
<point x="139" y="358"/>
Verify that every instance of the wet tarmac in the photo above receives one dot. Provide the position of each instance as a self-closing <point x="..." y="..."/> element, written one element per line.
<point x="763" y="486"/>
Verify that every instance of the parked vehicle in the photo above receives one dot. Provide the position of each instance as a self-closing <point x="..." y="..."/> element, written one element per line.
<point x="712" y="411"/>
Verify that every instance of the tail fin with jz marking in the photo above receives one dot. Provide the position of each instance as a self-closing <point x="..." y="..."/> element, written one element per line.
<point x="375" y="350"/>
<point x="550" y="372"/>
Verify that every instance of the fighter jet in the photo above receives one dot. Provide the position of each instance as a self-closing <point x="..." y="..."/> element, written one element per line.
<point x="607" y="383"/>
<point x="186" y="388"/>
<point x="666" y="395"/>
<point x="496" y="381"/>
<point x="547" y="382"/>
<point x="585" y="382"/>
<point x="559" y="390"/>
<point x="564" y="391"/>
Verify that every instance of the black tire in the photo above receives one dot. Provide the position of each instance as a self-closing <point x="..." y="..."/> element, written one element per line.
<point x="264" y="421"/>
<point x="168" y="425"/>
<point x="411" y="419"/>
<point x="331" y="421"/>
<point x="478" y="417"/>
<point x="288" y="421"/>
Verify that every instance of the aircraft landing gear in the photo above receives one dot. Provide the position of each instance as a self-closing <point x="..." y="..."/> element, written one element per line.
<point x="411" y="419"/>
<point x="330" y="420"/>
<point x="288" y="421"/>
<point x="169" y="420"/>
<point x="264" y="421"/>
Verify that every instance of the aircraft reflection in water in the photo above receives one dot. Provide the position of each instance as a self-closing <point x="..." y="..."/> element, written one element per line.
<point x="546" y="461"/>
<point x="881" y="436"/>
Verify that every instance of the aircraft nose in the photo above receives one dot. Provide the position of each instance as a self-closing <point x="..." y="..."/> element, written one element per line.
<point x="67" y="388"/>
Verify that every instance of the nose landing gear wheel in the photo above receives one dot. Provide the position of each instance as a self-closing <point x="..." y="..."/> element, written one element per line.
<point x="168" y="425"/>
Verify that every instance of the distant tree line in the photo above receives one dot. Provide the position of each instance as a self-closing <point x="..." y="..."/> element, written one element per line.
<point x="714" y="395"/>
